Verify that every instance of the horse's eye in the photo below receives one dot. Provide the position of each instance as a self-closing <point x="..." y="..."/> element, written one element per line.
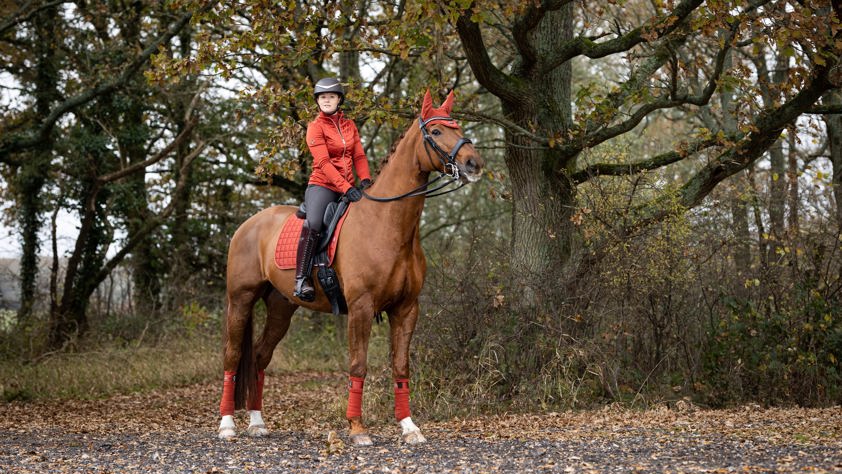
<point x="436" y="132"/>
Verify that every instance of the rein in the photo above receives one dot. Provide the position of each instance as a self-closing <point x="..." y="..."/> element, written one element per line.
<point x="448" y="161"/>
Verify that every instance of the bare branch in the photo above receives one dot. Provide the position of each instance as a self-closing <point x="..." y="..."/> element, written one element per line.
<point x="188" y="128"/>
<point x="21" y="17"/>
<point x="585" y="46"/>
<point x="622" y="169"/>
<point x="767" y="127"/>
<point x="152" y="223"/>
<point x="512" y="127"/>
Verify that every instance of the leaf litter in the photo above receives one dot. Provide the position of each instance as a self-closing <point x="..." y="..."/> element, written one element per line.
<point x="174" y="430"/>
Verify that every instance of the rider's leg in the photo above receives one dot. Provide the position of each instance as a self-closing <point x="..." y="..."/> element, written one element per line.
<point x="317" y="199"/>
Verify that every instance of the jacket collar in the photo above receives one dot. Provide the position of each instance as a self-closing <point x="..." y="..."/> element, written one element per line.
<point x="333" y="118"/>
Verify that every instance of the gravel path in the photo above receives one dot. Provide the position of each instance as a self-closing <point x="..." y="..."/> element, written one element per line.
<point x="116" y="436"/>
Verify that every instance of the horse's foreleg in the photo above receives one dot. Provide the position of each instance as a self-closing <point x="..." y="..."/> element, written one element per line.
<point x="359" y="331"/>
<point x="401" y="326"/>
<point x="278" y="316"/>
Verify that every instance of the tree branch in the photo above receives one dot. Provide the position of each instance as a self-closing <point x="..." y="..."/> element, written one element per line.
<point x="585" y="46"/>
<point x="825" y="109"/>
<point x="512" y="127"/>
<point x="525" y="24"/>
<point x="701" y="99"/>
<point x="664" y="159"/>
<point x="152" y="223"/>
<point x="767" y="127"/>
<point x="16" y="143"/>
<point x="16" y="19"/>
<point x="492" y="78"/>
<point x="294" y="187"/>
<point x="188" y="127"/>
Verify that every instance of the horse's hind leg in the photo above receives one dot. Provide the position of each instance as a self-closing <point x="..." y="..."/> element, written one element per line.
<point x="238" y="333"/>
<point x="279" y="312"/>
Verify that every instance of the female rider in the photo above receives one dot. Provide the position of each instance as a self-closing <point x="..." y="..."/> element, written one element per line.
<point x="335" y="145"/>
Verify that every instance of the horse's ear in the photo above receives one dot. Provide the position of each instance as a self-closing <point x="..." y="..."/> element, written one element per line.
<point x="427" y="106"/>
<point x="447" y="106"/>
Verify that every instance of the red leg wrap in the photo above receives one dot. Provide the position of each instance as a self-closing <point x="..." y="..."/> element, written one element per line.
<point x="355" y="397"/>
<point x="401" y="398"/>
<point x="257" y="401"/>
<point x="226" y="406"/>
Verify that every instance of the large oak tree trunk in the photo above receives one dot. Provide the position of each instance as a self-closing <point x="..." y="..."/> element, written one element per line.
<point x="543" y="199"/>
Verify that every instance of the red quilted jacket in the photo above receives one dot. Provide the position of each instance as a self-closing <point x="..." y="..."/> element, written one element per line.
<point x="336" y="148"/>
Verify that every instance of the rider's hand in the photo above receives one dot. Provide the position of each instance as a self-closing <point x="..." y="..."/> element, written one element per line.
<point x="353" y="194"/>
<point x="364" y="184"/>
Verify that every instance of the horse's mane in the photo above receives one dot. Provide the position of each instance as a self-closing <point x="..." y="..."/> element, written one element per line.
<point x="392" y="150"/>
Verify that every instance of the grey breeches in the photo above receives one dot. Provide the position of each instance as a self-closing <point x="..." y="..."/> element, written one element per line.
<point x="317" y="198"/>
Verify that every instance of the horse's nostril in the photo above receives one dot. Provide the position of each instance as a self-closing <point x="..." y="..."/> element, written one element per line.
<point x="471" y="165"/>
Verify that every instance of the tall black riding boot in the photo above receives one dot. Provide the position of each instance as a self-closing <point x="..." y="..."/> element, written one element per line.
<point x="304" y="264"/>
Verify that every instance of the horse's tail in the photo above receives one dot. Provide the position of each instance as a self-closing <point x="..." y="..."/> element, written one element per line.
<point x="246" y="382"/>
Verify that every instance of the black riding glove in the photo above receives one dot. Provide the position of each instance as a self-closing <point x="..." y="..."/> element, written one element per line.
<point x="353" y="194"/>
<point x="364" y="184"/>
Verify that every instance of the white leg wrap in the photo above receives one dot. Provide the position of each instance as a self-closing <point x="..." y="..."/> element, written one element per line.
<point x="226" y="427"/>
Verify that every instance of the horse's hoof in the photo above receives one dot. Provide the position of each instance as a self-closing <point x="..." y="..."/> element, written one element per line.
<point x="413" y="437"/>
<point x="227" y="433"/>
<point x="257" y="431"/>
<point x="361" y="439"/>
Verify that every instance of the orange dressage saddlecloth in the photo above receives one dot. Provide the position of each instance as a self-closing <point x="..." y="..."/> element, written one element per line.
<point x="287" y="246"/>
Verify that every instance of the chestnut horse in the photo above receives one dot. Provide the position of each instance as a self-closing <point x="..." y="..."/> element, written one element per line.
<point x="380" y="266"/>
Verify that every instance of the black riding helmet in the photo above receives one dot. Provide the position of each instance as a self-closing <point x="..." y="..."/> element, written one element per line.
<point x="329" y="84"/>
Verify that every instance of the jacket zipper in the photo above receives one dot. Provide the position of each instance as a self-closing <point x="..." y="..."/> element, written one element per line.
<point x="344" y="148"/>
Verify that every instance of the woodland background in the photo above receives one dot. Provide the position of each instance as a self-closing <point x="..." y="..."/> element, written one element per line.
<point x="660" y="216"/>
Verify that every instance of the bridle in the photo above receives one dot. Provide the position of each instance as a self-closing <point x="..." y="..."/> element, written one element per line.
<point x="448" y="160"/>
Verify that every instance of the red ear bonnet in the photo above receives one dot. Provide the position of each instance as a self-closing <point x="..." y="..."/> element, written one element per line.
<point x="427" y="110"/>
<point x="447" y="106"/>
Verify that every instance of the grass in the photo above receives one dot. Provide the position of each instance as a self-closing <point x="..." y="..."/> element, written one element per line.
<point x="122" y="358"/>
<point x="111" y="367"/>
<point x="108" y="371"/>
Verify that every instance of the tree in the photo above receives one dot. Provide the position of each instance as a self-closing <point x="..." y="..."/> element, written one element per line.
<point x="834" y="138"/>
<point x="88" y="90"/>
<point x="88" y="264"/>
<point x="665" y="53"/>
<point x="42" y="45"/>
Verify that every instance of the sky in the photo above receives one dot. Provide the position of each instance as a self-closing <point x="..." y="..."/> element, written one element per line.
<point x="9" y="238"/>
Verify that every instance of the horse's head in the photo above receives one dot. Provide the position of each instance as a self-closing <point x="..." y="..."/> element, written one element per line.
<point x="443" y="147"/>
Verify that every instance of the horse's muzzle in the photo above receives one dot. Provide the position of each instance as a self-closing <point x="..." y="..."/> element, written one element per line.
<point x="471" y="170"/>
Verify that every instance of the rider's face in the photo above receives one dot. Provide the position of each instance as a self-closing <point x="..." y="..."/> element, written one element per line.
<point x="328" y="102"/>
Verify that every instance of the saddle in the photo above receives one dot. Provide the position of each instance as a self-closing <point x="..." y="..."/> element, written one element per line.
<point x="285" y="250"/>
<point x="333" y="214"/>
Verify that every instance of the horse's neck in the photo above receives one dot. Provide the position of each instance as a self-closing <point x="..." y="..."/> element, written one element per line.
<point x="400" y="175"/>
<point x="402" y="172"/>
